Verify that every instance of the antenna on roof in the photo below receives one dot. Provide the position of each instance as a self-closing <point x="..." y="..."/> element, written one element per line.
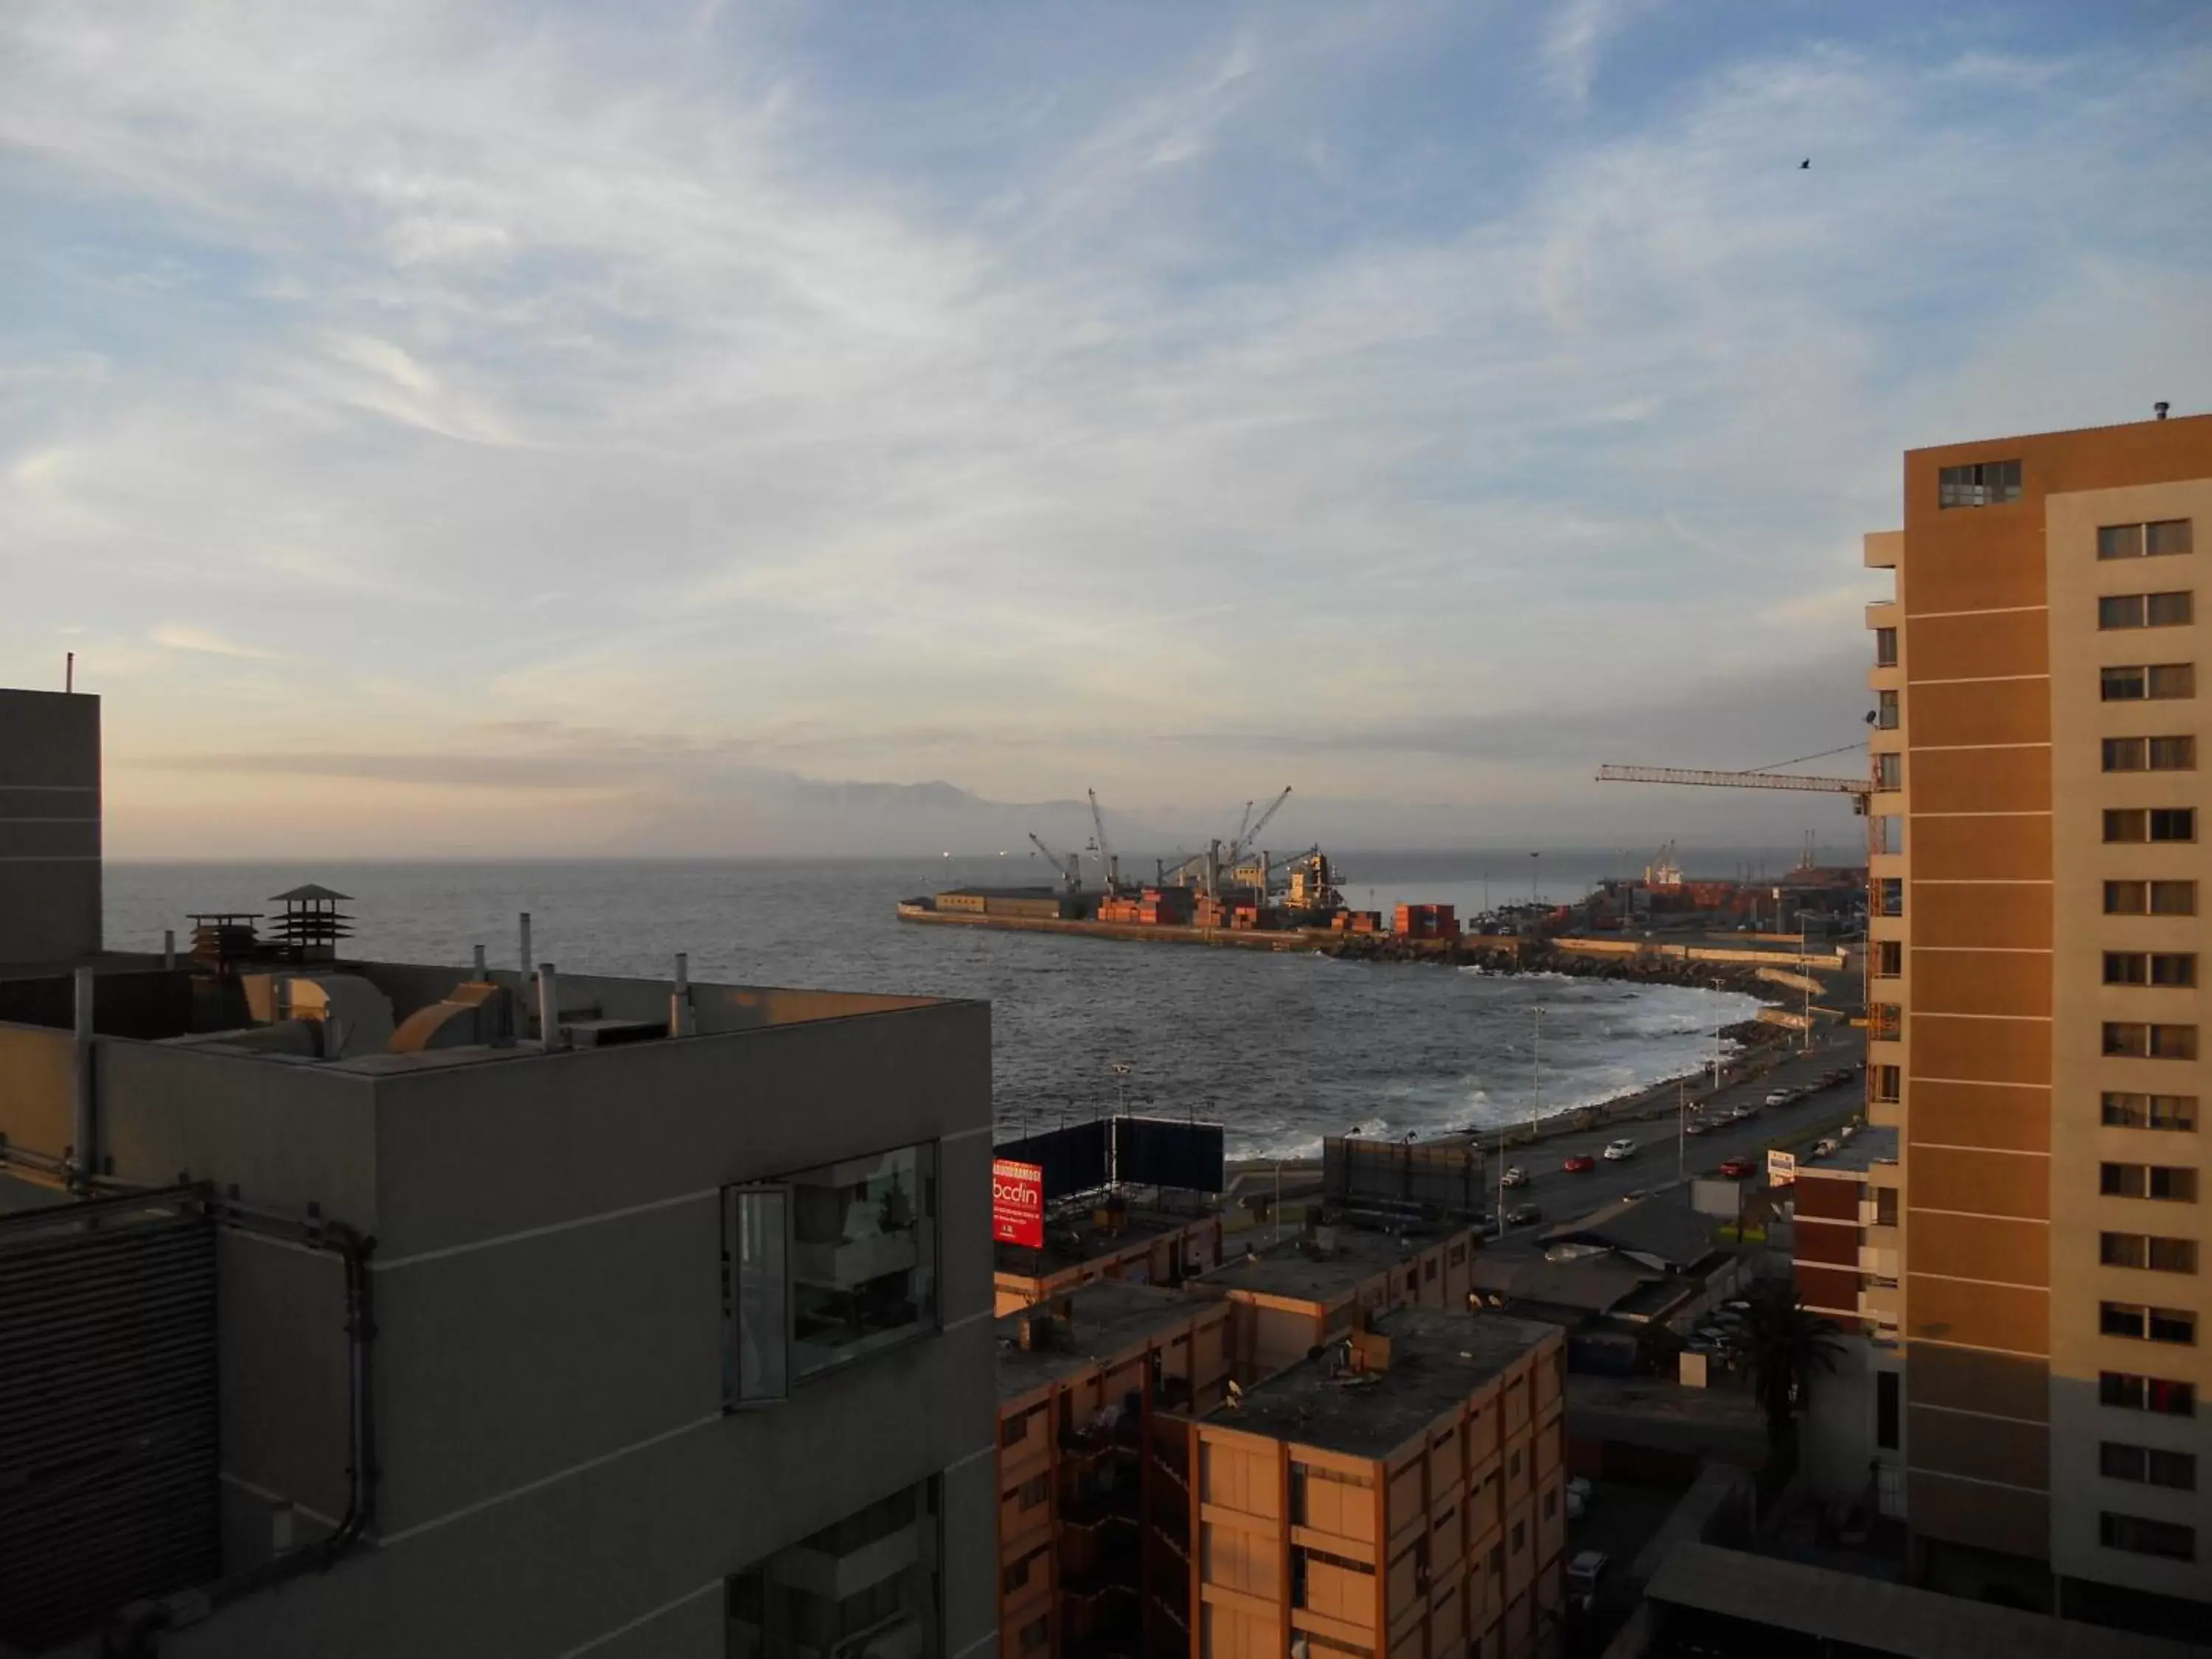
<point x="69" y="663"/>
<point x="2159" y="410"/>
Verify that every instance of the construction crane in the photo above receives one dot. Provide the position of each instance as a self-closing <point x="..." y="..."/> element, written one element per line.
<point x="1108" y="862"/>
<point x="1758" y="778"/>
<point x="1068" y="864"/>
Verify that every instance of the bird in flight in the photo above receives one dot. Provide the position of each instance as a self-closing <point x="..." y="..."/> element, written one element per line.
<point x="1802" y="165"/>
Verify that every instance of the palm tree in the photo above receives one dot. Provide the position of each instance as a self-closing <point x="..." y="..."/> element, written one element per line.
<point x="1785" y="1341"/>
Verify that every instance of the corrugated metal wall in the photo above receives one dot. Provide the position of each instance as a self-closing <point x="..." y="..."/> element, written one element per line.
<point x="108" y="1455"/>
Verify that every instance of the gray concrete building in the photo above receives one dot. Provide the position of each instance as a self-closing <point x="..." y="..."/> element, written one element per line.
<point x="49" y="826"/>
<point x="662" y="1326"/>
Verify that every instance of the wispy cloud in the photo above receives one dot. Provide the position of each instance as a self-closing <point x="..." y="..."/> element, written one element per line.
<point x="1050" y="401"/>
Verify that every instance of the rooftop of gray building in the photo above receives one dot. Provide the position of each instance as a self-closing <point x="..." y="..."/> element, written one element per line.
<point x="1871" y="1616"/>
<point x="1075" y="1234"/>
<point x="1438" y="1359"/>
<point x="1300" y="1269"/>
<point x="1103" y="1320"/>
<point x="1875" y="1144"/>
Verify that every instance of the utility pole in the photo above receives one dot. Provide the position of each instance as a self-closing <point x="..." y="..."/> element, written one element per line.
<point x="1535" y="865"/>
<point x="1681" y="1128"/>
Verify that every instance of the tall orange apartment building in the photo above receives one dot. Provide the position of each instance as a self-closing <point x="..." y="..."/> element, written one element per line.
<point x="2037" y="1012"/>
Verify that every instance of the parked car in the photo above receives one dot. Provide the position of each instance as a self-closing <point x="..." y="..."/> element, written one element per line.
<point x="1583" y="1573"/>
<point x="1523" y="1215"/>
<point x="1578" y="1163"/>
<point x="1515" y="1176"/>
<point x="1579" y="1492"/>
<point x="1617" y="1149"/>
<point x="1739" y="1169"/>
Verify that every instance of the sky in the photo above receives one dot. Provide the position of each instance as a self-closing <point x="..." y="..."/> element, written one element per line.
<point x="468" y="430"/>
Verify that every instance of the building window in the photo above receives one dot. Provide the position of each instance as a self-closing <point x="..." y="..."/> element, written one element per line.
<point x="1889" y="770"/>
<point x="755" y="1295"/>
<point x="1037" y="1634"/>
<point x="2146" y="1465"/>
<point x="2150" y="1042"/>
<point x="1884" y="711"/>
<point x="1429" y="1268"/>
<point x="1551" y="1502"/>
<point x="1884" y="647"/>
<point x="2164" y="968"/>
<point x="1985" y="483"/>
<point x="789" y="1603"/>
<point x="1889" y="1083"/>
<point x="2122" y="610"/>
<point x="1886" y="1023"/>
<point x="2131" y="1111"/>
<point x="1889" y="895"/>
<point x="2174" y="1325"/>
<point x="2146" y="1393"/>
<point x="862" y="1255"/>
<point x="2153" y="1255"/>
<point x="2140" y="1536"/>
<point x="2174" y="1182"/>
<point x="1885" y="1207"/>
<point x="2154" y="681"/>
<point x="1885" y="1410"/>
<point x="1014" y="1429"/>
<point x="1889" y="833"/>
<point x="2150" y="898"/>
<point x="2137" y="541"/>
<point x="2134" y="823"/>
<point x="1304" y="1560"/>
<point x="2150" y="754"/>
<point x="1520" y="1536"/>
<point x="1033" y="1491"/>
<point x="1889" y="958"/>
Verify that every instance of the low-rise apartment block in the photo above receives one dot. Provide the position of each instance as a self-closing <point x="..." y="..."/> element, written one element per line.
<point x="1402" y="1493"/>
<point x="1082" y="1382"/>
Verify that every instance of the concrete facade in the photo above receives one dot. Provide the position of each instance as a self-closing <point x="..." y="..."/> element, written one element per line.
<point x="2009" y="1026"/>
<point x="562" y="1470"/>
<point x="49" y="827"/>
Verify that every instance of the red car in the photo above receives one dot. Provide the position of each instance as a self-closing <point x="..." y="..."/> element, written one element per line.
<point x="1739" y="1169"/>
<point x="1580" y="1163"/>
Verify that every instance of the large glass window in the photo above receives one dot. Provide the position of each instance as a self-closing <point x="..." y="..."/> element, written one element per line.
<point x="755" y="1295"/>
<point x="1985" y="483"/>
<point x="863" y="1256"/>
<point x="868" y="1585"/>
<point x="1889" y="833"/>
<point x="1889" y="770"/>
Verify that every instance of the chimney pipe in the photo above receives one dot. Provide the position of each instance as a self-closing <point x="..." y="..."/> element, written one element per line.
<point x="480" y="964"/>
<point x="2159" y="410"/>
<point x="169" y="949"/>
<point x="525" y="945"/>
<point x="548" y="1009"/>
<point x="679" y="1004"/>
<point x="84" y="1159"/>
<point x="69" y="673"/>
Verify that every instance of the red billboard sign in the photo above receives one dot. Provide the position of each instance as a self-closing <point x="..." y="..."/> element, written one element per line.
<point x="1017" y="1203"/>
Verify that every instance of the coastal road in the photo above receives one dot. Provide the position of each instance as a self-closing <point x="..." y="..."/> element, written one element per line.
<point x="1562" y="1197"/>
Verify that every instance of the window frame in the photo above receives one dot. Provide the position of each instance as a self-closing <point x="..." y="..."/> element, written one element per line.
<point x="735" y="1395"/>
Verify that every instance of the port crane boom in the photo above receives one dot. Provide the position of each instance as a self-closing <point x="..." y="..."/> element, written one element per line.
<point x="1109" y="865"/>
<point x="1237" y="848"/>
<point x="1069" y="865"/>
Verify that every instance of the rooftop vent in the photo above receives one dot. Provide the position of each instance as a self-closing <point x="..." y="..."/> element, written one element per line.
<point x="311" y="925"/>
<point x="221" y="938"/>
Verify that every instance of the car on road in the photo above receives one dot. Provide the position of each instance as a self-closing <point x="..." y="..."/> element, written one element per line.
<point x="1698" y="1125"/>
<point x="1515" y="1176"/>
<point x="1523" y="1215"/>
<point x="1835" y="1078"/>
<point x="1583" y="1573"/>
<point x="1780" y="1097"/>
<point x="1739" y="1169"/>
<point x="1617" y="1149"/>
<point x="1578" y="1163"/>
<point x="1740" y="1114"/>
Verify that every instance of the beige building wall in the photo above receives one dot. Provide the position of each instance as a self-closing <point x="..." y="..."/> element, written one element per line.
<point x="2000" y="1000"/>
<point x="2080" y="1143"/>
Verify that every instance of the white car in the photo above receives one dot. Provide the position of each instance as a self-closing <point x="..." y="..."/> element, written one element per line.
<point x="1515" y="1176"/>
<point x="1780" y="1097"/>
<point x="1617" y="1149"/>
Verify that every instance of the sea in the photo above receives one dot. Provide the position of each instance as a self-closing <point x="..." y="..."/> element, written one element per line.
<point x="1280" y="1047"/>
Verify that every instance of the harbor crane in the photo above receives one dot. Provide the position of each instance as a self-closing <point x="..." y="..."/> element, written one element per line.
<point x="1108" y="862"/>
<point x="1068" y="864"/>
<point x="1223" y="855"/>
<point x="1245" y="837"/>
